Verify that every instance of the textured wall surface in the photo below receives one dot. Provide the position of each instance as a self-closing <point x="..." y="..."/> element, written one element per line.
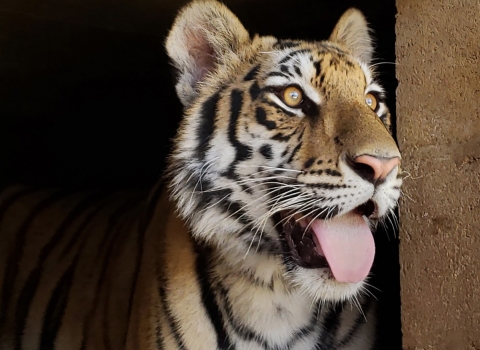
<point x="438" y="56"/>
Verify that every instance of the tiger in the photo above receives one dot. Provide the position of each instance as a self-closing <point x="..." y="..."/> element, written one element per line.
<point x="260" y="234"/>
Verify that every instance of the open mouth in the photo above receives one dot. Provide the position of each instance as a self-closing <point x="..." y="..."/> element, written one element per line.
<point x="344" y="244"/>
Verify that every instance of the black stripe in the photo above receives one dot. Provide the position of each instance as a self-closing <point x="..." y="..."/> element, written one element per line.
<point x="6" y="203"/>
<point x="4" y="206"/>
<point x="334" y="61"/>
<point x="298" y="71"/>
<point x="294" y="152"/>
<point x="82" y="226"/>
<point x="242" y="331"/>
<point x="151" y="205"/>
<point x="208" y="298"/>
<point x="300" y="137"/>
<point x="263" y="244"/>
<point x="207" y="124"/>
<point x="302" y="333"/>
<point x="17" y="251"/>
<point x="349" y="63"/>
<point x="285" y="70"/>
<point x="254" y="91"/>
<point x="266" y="151"/>
<point x="359" y="320"/>
<point x="331" y="324"/>
<point x="286" y="44"/>
<point x="277" y="74"/>
<point x="317" y="65"/>
<point x="252" y="74"/>
<point x="114" y="238"/>
<point x="30" y="287"/>
<point x="158" y="333"/>
<point x="78" y="234"/>
<point x="23" y="306"/>
<point x="292" y="55"/>
<point x="310" y="328"/>
<point x="281" y="137"/>
<point x="172" y="322"/>
<point x="142" y="228"/>
<point x="56" y="309"/>
<point x="309" y="162"/>
<point x="243" y="152"/>
<point x="249" y="334"/>
<point x="50" y="332"/>
<point x="235" y="210"/>
<point x="322" y="78"/>
<point x="261" y="117"/>
<point x="209" y="195"/>
<point x="311" y="109"/>
<point x="113" y="220"/>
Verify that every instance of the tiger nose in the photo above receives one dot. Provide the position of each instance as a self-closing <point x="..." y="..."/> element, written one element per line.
<point x="374" y="169"/>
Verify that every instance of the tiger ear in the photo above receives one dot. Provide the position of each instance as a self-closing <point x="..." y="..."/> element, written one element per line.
<point x="352" y="31"/>
<point x="202" y="35"/>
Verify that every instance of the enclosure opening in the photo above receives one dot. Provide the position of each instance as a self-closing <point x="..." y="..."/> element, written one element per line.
<point x="88" y="97"/>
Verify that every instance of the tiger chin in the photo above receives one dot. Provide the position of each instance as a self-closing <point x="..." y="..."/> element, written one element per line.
<point x="281" y="169"/>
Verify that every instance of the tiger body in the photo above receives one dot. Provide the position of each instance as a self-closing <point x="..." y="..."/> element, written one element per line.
<point x="77" y="287"/>
<point x="277" y="136"/>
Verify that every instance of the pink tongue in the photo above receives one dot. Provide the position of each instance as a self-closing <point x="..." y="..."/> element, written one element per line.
<point x="348" y="246"/>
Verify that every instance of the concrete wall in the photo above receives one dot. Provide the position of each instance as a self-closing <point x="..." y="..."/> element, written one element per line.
<point x="438" y="56"/>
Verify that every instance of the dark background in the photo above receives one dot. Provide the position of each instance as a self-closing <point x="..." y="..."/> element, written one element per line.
<point x="87" y="98"/>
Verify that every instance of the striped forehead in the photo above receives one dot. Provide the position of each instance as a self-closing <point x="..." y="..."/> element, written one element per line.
<point x="302" y="66"/>
<point x="294" y="67"/>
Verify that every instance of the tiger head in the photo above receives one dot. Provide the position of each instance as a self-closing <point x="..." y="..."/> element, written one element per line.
<point x="283" y="161"/>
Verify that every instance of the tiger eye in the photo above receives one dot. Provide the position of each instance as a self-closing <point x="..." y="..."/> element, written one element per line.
<point x="371" y="101"/>
<point x="292" y="96"/>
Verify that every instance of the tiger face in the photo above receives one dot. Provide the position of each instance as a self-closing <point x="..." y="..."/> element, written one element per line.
<point x="283" y="163"/>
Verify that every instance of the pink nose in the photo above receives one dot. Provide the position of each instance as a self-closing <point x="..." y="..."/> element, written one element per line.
<point x="380" y="167"/>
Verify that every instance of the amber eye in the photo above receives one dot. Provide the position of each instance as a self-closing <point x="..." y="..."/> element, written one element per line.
<point x="371" y="101"/>
<point x="292" y="96"/>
